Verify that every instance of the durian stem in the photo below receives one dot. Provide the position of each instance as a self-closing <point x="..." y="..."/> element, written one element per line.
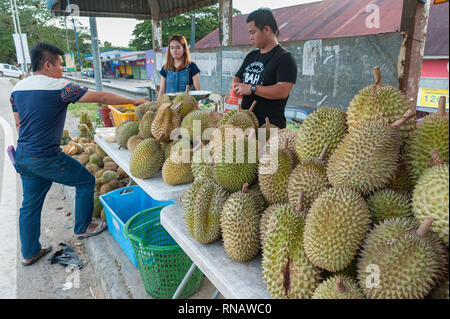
<point x="285" y="144"/>
<point x="324" y="152"/>
<point x="340" y="285"/>
<point x="252" y="107"/>
<point x="436" y="159"/>
<point x="405" y="117"/>
<point x="441" y="106"/>
<point x="424" y="227"/>
<point x="267" y="122"/>
<point x="245" y="188"/>
<point x="187" y="89"/>
<point x="377" y="75"/>
<point x="299" y="206"/>
<point x="239" y="108"/>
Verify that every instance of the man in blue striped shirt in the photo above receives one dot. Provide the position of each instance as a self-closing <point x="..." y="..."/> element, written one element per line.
<point x="39" y="105"/>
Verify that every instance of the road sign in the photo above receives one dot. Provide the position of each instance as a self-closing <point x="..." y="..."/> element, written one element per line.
<point x="70" y="61"/>
<point x="430" y="97"/>
<point x="18" y="45"/>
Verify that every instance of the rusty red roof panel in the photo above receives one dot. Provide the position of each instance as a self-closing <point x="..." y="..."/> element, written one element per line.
<point x="324" y="19"/>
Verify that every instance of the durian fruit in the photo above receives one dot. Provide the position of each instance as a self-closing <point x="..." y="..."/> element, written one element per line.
<point x="94" y="159"/>
<point x="65" y="139"/>
<point x="431" y="134"/>
<point x="134" y="141"/>
<point x="126" y="131"/>
<point x="243" y="119"/>
<point x="310" y="177"/>
<point x="202" y="164"/>
<point x="368" y="156"/>
<point x="165" y="121"/>
<point x="335" y="228"/>
<point x="177" y="168"/>
<point x="196" y="122"/>
<point x="273" y="174"/>
<point x="338" y="287"/>
<point x="380" y="102"/>
<point x="93" y="168"/>
<point x="145" y="124"/>
<point x="236" y="162"/>
<point x="83" y="159"/>
<point x="401" y="259"/>
<point x="98" y="174"/>
<point x="140" y="111"/>
<point x="146" y="159"/>
<point x="388" y="203"/>
<point x="326" y="125"/>
<point x="203" y="202"/>
<point x="431" y="199"/>
<point x="121" y="173"/>
<point x="239" y="222"/>
<point x="107" y="159"/>
<point x="267" y="126"/>
<point x="402" y="180"/>
<point x="227" y="116"/>
<point x="164" y="98"/>
<point x="287" y="272"/>
<point x="267" y="224"/>
<point x="215" y="117"/>
<point x="108" y="176"/>
<point x="184" y="103"/>
<point x="97" y="206"/>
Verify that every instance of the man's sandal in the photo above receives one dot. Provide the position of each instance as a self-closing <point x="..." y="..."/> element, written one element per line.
<point x="44" y="251"/>
<point x="96" y="231"/>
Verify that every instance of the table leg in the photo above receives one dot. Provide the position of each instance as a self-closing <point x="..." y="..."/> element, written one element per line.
<point x="184" y="281"/>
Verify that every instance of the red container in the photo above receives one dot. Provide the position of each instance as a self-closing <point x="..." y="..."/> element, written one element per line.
<point x="106" y="116"/>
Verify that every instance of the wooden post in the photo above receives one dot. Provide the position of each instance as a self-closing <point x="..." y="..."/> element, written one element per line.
<point x="226" y="23"/>
<point x="156" y="25"/>
<point x="414" y="26"/>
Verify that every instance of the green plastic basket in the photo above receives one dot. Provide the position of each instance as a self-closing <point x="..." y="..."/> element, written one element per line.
<point x="162" y="263"/>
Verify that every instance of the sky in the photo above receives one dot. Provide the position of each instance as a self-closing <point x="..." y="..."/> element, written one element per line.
<point x="119" y="31"/>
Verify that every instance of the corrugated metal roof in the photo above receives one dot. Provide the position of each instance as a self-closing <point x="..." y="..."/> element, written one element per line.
<point x="320" y="20"/>
<point x="127" y="8"/>
<point x="436" y="42"/>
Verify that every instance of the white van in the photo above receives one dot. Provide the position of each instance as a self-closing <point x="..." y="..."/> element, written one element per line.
<point x="10" y="70"/>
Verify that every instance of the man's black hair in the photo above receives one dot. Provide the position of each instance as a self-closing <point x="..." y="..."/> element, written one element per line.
<point x="264" y="17"/>
<point x="43" y="52"/>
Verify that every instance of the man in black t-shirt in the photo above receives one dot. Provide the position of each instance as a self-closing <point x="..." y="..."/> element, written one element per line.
<point x="268" y="74"/>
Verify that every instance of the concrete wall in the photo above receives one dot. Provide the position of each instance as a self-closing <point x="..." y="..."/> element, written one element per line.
<point x="330" y="71"/>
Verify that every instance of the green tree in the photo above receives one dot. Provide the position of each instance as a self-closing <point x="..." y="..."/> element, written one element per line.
<point x="206" y="21"/>
<point x="36" y="21"/>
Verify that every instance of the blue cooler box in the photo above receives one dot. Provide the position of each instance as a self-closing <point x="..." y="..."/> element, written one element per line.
<point x="122" y="204"/>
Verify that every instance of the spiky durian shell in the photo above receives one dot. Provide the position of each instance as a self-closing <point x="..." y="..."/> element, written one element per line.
<point x="287" y="272"/>
<point x="388" y="203"/>
<point x="146" y="159"/>
<point x="177" y="168"/>
<point x="380" y="102"/>
<point x="431" y="199"/>
<point x="273" y="175"/>
<point x="202" y="164"/>
<point x="145" y="124"/>
<point x="239" y="222"/>
<point x="324" y="126"/>
<point x="164" y="122"/>
<point x="327" y="289"/>
<point x="335" y="228"/>
<point x="310" y="177"/>
<point x="202" y="203"/>
<point x="237" y="166"/>
<point x="431" y="134"/>
<point x="200" y="121"/>
<point x="367" y="157"/>
<point x="267" y="223"/>
<point x="396" y="263"/>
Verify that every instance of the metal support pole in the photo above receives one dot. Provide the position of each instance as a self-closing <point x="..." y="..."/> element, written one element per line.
<point x="184" y="281"/>
<point x="96" y="55"/>
<point x="24" y="64"/>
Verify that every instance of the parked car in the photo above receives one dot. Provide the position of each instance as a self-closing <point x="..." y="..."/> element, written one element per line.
<point x="10" y="70"/>
<point x="88" y="72"/>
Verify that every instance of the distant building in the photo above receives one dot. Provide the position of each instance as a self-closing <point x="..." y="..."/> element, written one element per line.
<point x="343" y="18"/>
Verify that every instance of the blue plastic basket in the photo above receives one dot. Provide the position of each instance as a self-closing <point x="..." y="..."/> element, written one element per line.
<point x="122" y="204"/>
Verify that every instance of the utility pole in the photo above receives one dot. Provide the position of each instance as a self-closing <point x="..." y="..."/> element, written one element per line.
<point x="17" y="27"/>
<point x="96" y="55"/>
<point x="193" y="31"/>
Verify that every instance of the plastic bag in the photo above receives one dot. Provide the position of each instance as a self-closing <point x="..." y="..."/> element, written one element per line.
<point x="65" y="256"/>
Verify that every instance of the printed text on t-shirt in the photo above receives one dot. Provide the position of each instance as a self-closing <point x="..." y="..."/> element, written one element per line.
<point x="253" y="72"/>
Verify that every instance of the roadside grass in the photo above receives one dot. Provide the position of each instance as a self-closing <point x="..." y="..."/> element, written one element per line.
<point x="91" y="109"/>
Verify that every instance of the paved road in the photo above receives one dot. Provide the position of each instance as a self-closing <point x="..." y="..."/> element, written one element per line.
<point x="41" y="280"/>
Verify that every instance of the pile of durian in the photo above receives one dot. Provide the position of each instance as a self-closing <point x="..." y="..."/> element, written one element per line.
<point x="356" y="207"/>
<point x="151" y="139"/>
<point x="108" y="175"/>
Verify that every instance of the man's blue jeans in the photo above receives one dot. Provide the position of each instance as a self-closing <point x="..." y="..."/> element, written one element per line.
<point x="37" y="175"/>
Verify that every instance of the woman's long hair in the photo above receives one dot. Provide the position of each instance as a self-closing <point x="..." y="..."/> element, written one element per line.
<point x="170" y="62"/>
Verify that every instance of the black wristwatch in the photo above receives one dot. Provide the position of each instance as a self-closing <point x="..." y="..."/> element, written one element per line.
<point x="253" y="89"/>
